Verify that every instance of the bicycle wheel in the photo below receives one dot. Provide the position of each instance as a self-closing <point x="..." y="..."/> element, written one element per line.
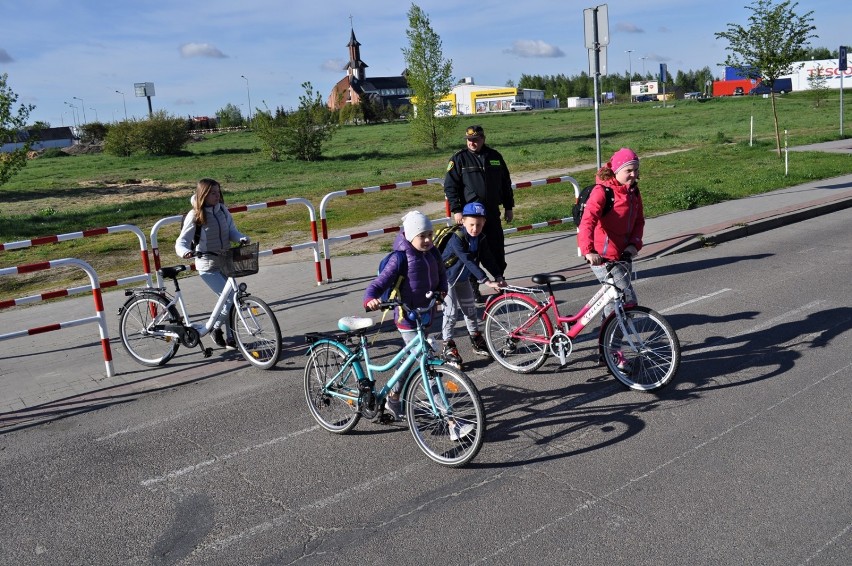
<point x="453" y="437"/>
<point x="647" y="357"/>
<point x="256" y="332"/>
<point x="334" y="414"/>
<point x="516" y="354"/>
<point x="138" y="317"/>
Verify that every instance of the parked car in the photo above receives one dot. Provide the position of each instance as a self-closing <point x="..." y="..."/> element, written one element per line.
<point x="519" y="106"/>
<point x="645" y="98"/>
<point x="738" y="91"/>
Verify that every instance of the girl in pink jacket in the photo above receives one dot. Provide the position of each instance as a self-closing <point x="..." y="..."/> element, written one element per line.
<point x="606" y="235"/>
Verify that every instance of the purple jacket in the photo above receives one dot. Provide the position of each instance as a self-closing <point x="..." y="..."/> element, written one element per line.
<point x="425" y="272"/>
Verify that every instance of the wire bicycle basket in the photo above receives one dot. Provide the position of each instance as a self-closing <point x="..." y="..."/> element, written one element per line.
<point x="241" y="261"/>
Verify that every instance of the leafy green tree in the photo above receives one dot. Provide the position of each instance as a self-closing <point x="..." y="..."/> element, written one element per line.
<point x="430" y="78"/>
<point x="299" y="134"/>
<point x="768" y="48"/>
<point x="817" y="53"/>
<point x="93" y="132"/>
<point x="161" y="134"/>
<point x="11" y="122"/>
<point x="119" y="140"/>
<point x="271" y="133"/>
<point x="229" y="116"/>
<point x="311" y="125"/>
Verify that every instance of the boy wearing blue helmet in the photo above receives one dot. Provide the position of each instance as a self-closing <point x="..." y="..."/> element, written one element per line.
<point x="470" y="248"/>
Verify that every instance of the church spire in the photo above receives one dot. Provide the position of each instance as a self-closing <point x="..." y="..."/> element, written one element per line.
<point x="355" y="67"/>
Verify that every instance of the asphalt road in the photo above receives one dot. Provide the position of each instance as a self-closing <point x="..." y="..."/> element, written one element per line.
<point x="744" y="459"/>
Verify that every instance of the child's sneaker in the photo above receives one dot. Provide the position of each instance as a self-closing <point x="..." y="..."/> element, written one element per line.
<point x="624" y="365"/>
<point x="459" y="430"/>
<point x="219" y="337"/>
<point x="393" y="408"/>
<point x="480" y="348"/>
<point x="450" y="353"/>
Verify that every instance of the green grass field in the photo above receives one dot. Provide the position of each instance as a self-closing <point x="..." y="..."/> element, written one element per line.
<point x="69" y="194"/>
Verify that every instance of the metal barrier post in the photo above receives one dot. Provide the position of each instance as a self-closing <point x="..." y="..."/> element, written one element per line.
<point x="99" y="318"/>
<point x="313" y="244"/>
<point x="364" y="190"/>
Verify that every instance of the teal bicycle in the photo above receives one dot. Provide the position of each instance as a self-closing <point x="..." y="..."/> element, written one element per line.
<point x="441" y="404"/>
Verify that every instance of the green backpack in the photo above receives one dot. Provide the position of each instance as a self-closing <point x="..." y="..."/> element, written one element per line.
<point x="442" y="237"/>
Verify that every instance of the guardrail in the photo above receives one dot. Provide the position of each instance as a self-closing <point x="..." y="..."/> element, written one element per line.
<point x="99" y="318"/>
<point x="143" y="250"/>
<point x="312" y="245"/>
<point x="328" y="240"/>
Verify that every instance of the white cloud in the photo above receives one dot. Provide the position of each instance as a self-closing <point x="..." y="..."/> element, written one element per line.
<point x="333" y="65"/>
<point x="534" y="48"/>
<point x="5" y="57"/>
<point x="629" y="28"/>
<point x="201" y="50"/>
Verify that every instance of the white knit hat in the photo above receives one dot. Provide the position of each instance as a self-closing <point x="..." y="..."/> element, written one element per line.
<point x="414" y="223"/>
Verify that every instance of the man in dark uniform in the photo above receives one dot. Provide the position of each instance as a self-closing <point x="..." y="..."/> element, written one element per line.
<point x="479" y="174"/>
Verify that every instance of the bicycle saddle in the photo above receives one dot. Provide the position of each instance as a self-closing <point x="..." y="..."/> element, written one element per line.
<point x="541" y="278"/>
<point x="171" y="272"/>
<point x="354" y="323"/>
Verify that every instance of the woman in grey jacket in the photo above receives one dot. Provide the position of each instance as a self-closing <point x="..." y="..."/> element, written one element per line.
<point x="212" y="225"/>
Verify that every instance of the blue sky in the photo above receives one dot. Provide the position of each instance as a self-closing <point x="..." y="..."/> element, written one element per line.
<point x="196" y="52"/>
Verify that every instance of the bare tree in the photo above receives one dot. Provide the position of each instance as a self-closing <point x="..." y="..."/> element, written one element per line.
<point x="770" y="45"/>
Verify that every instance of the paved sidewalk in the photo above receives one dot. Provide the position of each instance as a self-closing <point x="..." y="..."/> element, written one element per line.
<point x="63" y="372"/>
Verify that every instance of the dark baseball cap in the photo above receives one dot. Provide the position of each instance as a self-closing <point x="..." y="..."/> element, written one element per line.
<point x="474" y="132"/>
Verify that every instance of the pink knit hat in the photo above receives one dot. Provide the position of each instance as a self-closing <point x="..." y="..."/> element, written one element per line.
<point x="622" y="158"/>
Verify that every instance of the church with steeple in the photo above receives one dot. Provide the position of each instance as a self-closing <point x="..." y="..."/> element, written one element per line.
<point x="356" y="87"/>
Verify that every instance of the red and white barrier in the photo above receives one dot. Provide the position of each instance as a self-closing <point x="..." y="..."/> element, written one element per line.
<point x="313" y="244"/>
<point x="538" y="183"/>
<point x="143" y="250"/>
<point x="99" y="318"/>
<point x="327" y="240"/>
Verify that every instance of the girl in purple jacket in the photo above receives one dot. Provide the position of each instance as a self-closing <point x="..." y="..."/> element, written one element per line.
<point x="423" y="273"/>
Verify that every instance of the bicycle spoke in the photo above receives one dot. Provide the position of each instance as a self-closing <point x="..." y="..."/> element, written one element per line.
<point x="510" y="347"/>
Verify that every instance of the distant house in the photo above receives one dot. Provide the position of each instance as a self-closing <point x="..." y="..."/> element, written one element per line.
<point x="41" y="139"/>
<point x="355" y="87"/>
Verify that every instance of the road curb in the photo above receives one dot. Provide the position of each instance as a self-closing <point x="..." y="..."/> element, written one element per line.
<point x="750" y="228"/>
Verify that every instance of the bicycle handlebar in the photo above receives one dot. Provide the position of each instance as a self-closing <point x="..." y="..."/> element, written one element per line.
<point x="387" y="305"/>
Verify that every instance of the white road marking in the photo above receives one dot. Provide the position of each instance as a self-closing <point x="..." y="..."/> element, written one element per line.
<point x="695" y="300"/>
<point x="206" y="463"/>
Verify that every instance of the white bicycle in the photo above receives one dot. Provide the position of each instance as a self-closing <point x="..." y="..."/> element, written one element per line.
<point x="153" y="324"/>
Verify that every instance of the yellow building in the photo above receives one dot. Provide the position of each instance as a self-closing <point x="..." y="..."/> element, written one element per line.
<point x="469" y="98"/>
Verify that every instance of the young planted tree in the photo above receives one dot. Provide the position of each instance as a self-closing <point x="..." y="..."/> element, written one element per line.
<point x="11" y="122"/>
<point x="818" y="85"/>
<point x="768" y="48"/>
<point x="430" y="78"/>
<point x="310" y="126"/>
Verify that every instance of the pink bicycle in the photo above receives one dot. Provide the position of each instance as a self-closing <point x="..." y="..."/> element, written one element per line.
<point x="638" y="346"/>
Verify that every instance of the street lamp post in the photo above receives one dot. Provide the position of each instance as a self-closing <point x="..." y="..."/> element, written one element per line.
<point x="643" y="66"/>
<point x="73" y="113"/>
<point x="124" y="101"/>
<point x="629" y="72"/>
<point x="82" y="105"/>
<point x="248" y="92"/>
<point x="96" y="114"/>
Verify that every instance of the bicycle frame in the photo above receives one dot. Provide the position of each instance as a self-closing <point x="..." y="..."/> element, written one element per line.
<point x="231" y="290"/>
<point x="572" y="325"/>
<point x="416" y="350"/>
